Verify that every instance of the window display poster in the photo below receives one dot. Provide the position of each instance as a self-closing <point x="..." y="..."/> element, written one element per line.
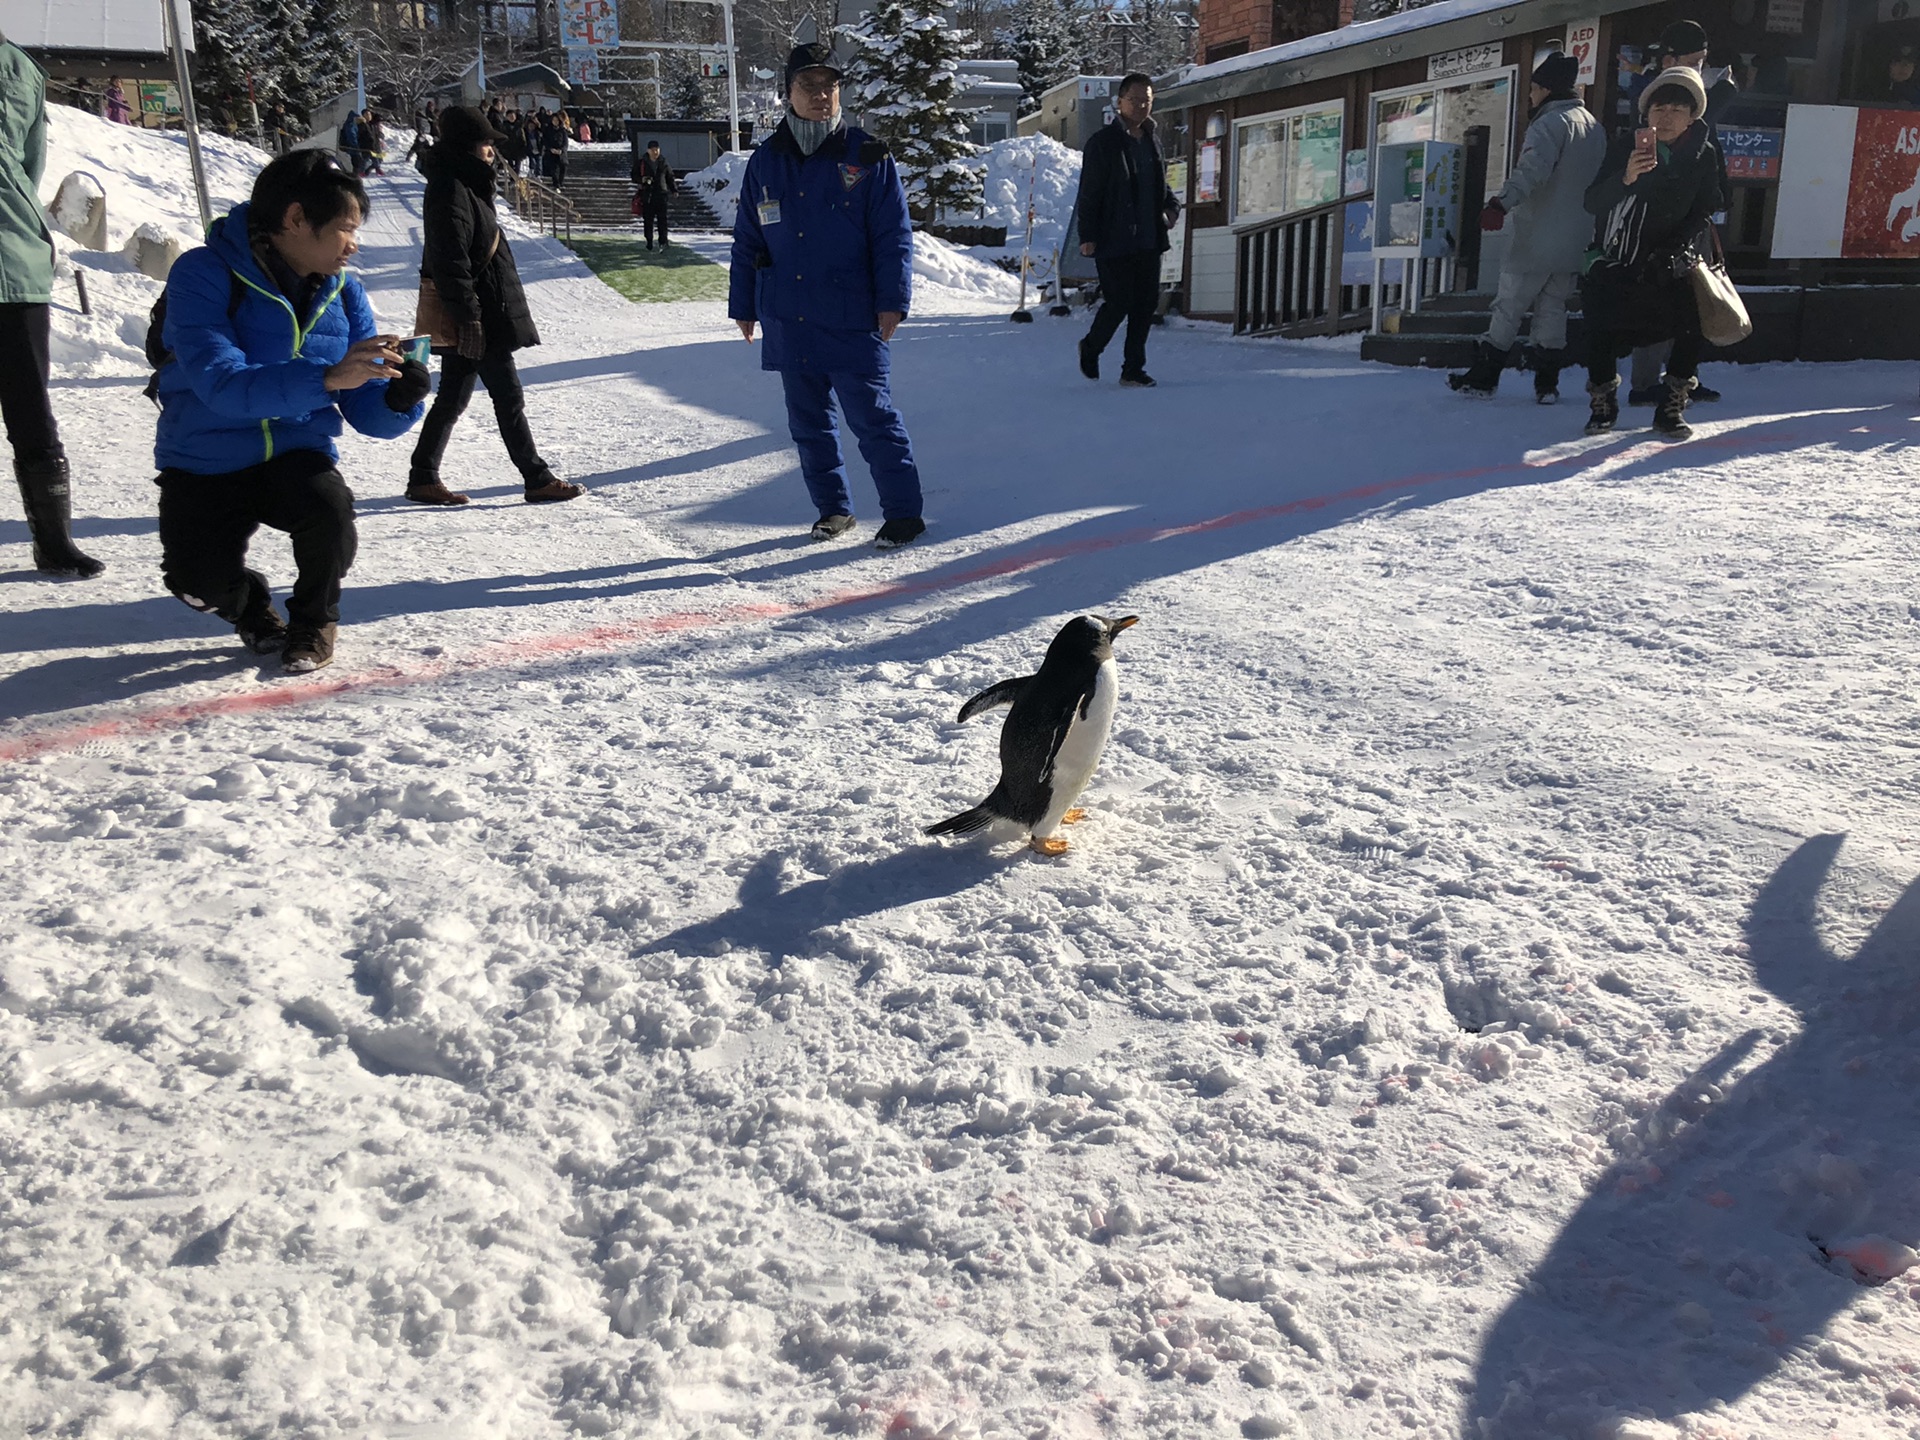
<point x="1786" y="17"/>
<point x="1356" y="173"/>
<point x="1849" y="184"/>
<point x="1583" y="44"/>
<point x="1260" y="168"/>
<point x="1173" y="260"/>
<point x="1206" y="187"/>
<point x="159" y="99"/>
<point x="1315" y="165"/>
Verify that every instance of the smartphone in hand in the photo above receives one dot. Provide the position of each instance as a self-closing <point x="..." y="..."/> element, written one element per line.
<point x="1645" y="143"/>
<point x="418" y="348"/>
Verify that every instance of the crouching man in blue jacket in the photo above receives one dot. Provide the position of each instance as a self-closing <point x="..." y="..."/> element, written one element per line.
<point x="823" y="261"/>
<point x="272" y="345"/>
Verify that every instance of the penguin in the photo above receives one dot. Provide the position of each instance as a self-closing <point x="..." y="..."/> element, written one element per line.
<point x="1053" y="736"/>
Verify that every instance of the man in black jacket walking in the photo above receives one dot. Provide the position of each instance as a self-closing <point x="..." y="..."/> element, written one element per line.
<point x="654" y="177"/>
<point x="1125" y="210"/>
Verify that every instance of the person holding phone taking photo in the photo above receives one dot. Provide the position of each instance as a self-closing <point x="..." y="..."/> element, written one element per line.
<point x="1652" y="202"/>
<point x="272" y="349"/>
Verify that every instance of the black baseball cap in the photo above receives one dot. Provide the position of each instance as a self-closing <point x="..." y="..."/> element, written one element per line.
<point x="816" y="56"/>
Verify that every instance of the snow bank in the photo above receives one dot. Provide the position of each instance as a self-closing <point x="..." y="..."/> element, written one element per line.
<point x="1008" y="168"/>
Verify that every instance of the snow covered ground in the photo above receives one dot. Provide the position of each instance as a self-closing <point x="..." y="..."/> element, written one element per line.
<point x="1486" y="981"/>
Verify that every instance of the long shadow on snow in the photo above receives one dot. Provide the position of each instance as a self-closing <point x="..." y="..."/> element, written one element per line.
<point x="1695" y="1267"/>
<point x="782" y="922"/>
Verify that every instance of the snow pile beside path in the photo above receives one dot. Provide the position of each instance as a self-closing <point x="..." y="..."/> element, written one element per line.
<point x="1007" y="169"/>
<point x="934" y="261"/>
<point x="148" y="182"/>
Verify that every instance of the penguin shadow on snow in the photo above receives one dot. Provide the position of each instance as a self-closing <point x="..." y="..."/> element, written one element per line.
<point x="782" y="922"/>
<point x="1746" y="1213"/>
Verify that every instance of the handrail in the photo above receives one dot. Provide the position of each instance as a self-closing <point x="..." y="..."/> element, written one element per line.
<point x="532" y="198"/>
<point x="1287" y="272"/>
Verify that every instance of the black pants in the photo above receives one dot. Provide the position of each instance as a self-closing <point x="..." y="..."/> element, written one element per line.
<point x="1625" y="311"/>
<point x="653" y="211"/>
<point x="23" y="383"/>
<point x="457" y="374"/>
<point x="556" y="169"/>
<point x="1130" y="291"/>
<point x="1604" y="350"/>
<point x="207" y="520"/>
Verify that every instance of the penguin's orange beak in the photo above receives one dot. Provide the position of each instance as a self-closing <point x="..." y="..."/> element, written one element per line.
<point x="1125" y="622"/>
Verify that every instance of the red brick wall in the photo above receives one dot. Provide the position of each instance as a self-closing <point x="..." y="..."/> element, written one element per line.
<point x="1224" y="21"/>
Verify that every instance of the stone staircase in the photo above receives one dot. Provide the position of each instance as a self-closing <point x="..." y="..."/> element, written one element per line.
<point x="598" y="187"/>
<point x="1443" y="332"/>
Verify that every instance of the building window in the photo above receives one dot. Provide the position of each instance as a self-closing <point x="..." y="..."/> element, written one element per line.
<point x="1287" y="161"/>
<point x="1447" y="112"/>
<point x="1228" y="49"/>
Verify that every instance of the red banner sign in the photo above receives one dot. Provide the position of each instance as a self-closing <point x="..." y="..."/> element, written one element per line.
<point x="1883" y="200"/>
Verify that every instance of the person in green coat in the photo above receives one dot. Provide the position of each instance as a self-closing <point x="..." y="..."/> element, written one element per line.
<point x="26" y="296"/>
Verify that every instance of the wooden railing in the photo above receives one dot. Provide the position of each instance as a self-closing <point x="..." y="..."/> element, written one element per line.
<point x="537" y="202"/>
<point x="1287" y="275"/>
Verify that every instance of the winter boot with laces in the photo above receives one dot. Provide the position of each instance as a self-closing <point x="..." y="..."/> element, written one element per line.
<point x="1605" y="400"/>
<point x="1670" y="415"/>
<point x="1482" y="377"/>
<point x="45" y="492"/>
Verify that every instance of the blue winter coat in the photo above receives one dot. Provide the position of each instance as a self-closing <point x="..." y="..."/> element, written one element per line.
<point x="839" y="252"/>
<point x="245" y="387"/>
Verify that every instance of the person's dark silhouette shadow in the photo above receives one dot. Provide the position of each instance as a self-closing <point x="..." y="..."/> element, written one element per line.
<point x="1744" y="1213"/>
<point x="781" y="922"/>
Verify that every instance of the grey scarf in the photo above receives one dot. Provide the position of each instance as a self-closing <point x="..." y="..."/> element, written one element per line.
<point x="810" y="135"/>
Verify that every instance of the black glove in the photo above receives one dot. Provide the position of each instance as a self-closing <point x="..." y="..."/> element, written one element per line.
<point x="409" y="387"/>
<point x="473" y="340"/>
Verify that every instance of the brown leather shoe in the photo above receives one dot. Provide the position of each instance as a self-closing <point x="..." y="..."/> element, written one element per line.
<point x="554" y="491"/>
<point x="434" y="494"/>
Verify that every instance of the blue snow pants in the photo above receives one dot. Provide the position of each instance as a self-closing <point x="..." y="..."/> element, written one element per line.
<point x="868" y="405"/>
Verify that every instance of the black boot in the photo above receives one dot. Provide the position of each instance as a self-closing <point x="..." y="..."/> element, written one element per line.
<point x="1605" y="400"/>
<point x="1670" y="414"/>
<point x="1547" y="365"/>
<point x="1483" y="376"/>
<point x="49" y="505"/>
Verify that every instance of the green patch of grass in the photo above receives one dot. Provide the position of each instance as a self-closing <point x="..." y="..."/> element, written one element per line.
<point x="647" y="275"/>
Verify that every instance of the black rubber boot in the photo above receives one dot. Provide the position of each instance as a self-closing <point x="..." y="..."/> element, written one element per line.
<point x="1547" y="365"/>
<point x="1605" y="400"/>
<point x="45" y="492"/>
<point x="1670" y="414"/>
<point x="1483" y="376"/>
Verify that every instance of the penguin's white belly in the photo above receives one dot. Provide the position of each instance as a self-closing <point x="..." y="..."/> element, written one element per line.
<point x="1079" y="753"/>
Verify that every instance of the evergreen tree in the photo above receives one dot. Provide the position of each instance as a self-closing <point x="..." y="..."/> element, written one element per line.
<point x="282" y="55"/>
<point x="903" y="78"/>
<point x="226" y="53"/>
<point x="326" y="66"/>
<point x="1045" y="42"/>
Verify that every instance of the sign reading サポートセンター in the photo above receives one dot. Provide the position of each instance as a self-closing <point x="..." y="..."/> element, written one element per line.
<point x="1849" y="185"/>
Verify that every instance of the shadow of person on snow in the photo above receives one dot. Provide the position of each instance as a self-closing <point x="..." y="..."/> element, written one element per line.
<point x="1745" y="1212"/>
<point x="784" y="922"/>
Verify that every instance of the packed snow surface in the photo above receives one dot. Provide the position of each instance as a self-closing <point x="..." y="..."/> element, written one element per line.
<point x="1480" y="1003"/>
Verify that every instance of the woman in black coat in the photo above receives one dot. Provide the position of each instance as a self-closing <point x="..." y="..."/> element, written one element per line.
<point x="1653" y="205"/>
<point x="471" y="267"/>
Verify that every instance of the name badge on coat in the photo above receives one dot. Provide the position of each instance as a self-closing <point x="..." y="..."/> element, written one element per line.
<point x="768" y="207"/>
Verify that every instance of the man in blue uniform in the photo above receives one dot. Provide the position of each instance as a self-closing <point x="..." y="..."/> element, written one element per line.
<point x="823" y="262"/>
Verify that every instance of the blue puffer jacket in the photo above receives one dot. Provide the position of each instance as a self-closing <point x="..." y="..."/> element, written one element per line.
<point x="245" y="387"/>
<point x="821" y="245"/>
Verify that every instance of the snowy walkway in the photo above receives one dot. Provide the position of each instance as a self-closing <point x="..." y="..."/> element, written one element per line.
<point x="577" y="1037"/>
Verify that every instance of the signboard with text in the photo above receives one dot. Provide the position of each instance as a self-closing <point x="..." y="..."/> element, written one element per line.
<point x="583" y="66"/>
<point x="1849" y="185"/>
<point x="1583" y="44"/>
<point x="1752" y="152"/>
<point x="1451" y="64"/>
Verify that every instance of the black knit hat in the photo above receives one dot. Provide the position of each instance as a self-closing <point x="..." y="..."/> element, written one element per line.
<point x="816" y="56"/>
<point x="1557" y="74"/>
<point x="1683" y="37"/>
<point x="464" y="126"/>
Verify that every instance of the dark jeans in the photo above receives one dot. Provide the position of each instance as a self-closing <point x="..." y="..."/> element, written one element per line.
<point x="1605" y="348"/>
<point x="1130" y="291"/>
<point x="457" y="374"/>
<point x="23" y="383"/>
<point x="1626" y="311"/>
<point x="653" y="211"/>
<point x="556" y="169"/>
<point x="207" y="520"/>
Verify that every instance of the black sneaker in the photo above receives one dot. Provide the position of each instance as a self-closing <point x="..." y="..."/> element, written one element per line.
<point x="830" y="527"/>
<point x="896" y="533"/>
<point x="1645" y="395"/>
<point x="1089" y="360"/>
<point x="1138" y="380"/>
<point x="308" y="649"/>
<point x="1702" y="394"/>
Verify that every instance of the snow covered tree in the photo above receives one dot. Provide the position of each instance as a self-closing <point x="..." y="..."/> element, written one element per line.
<point x="326" y="63"/>
<point x="226" y="53"/>
<point x="1045" y="42"/>
<point x="903" y="79"/>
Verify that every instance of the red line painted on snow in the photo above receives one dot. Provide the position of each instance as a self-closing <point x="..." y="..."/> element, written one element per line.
<point x="59" y="740"/>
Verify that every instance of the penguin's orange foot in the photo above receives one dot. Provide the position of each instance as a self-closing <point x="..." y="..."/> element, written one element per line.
<point x="1073" y="816"/>
<point x="1051" y="846"/>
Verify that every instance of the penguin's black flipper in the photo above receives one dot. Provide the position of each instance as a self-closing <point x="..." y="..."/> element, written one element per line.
<point x="1005" y="693"/>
